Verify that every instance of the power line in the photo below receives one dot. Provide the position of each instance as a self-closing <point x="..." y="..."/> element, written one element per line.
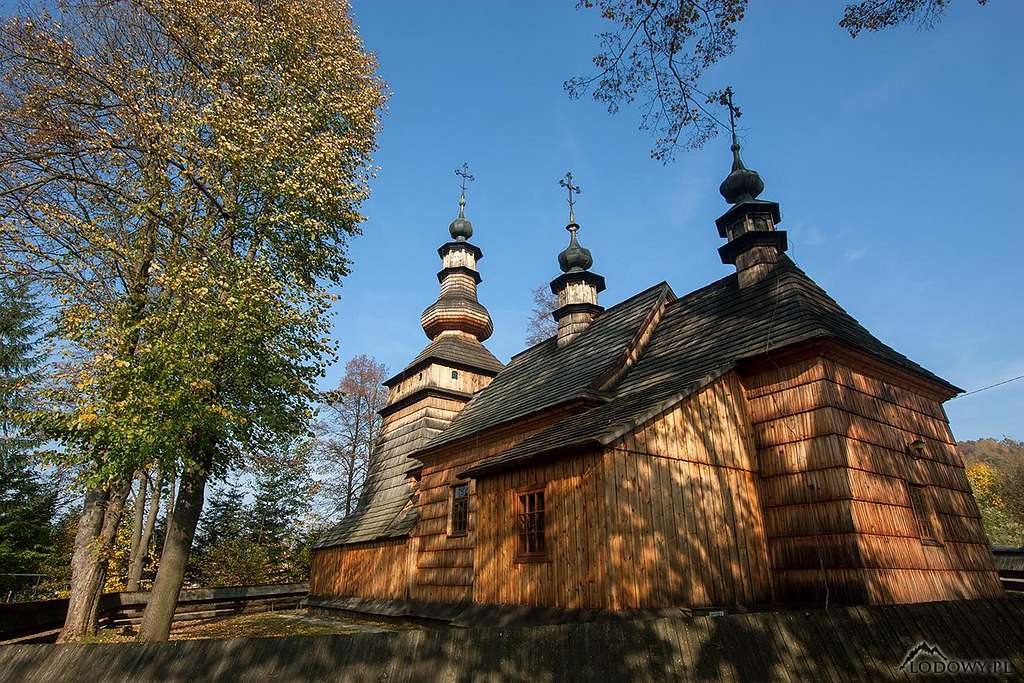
<point x="990" y="386"/>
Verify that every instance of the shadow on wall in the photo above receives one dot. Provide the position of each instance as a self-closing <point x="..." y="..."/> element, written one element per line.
<point x="868" y="643"/>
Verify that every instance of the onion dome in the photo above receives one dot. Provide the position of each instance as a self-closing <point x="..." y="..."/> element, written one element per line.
<point x="576" y="288"/>
<point x="742" y="184"/>
<point x="457" y="310"/>
<point x="461" y="229"/>
<point x="574" y="257"/>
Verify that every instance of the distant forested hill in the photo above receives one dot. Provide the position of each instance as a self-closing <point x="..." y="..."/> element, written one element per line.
<point x="995" y="469"/>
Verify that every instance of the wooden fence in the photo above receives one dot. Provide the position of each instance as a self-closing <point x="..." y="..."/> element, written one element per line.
<point x="837" y="645"/>
<point x="43" y="618"/>
<point x="1010" y="565"/>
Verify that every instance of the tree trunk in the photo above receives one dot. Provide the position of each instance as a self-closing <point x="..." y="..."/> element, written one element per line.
<point x="170" y="500"/>
<point x="84" y="567"/>
<point x="138" y="512"/>
<point x="108" y="534"/>
<point x="350" y="478"/>
<point x="139" y="560"/>
<point x="156" y="620"/>
<point x="353" y="455"/>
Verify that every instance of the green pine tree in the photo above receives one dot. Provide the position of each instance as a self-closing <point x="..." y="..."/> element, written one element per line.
<point x="282" y="500"/>
<point x="225" y="517"/>
<point x="221" y="552"/>
<point x="27" y="500"/>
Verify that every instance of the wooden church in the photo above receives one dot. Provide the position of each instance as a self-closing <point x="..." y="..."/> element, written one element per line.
<point x="745" y="444"/>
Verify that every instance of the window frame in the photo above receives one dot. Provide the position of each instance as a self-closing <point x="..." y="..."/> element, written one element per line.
<point x="462" y="501"/>
<point x="521" y="504"/>
<point x="924" y="518"/>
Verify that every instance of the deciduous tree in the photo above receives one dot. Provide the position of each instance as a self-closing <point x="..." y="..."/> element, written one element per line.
<point x="541" y="325"/>
<point x="995" y="469"/>
<point x="348" y="429"/>
<point x="182" y="176"/>
<point x="140" y="551"/>
<point x="658" y="51"/>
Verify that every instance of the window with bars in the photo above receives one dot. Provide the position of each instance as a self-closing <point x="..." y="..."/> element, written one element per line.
<point x="922" y="512"/>
<point x="531" y="524"/>
<point x="460" y="510"/>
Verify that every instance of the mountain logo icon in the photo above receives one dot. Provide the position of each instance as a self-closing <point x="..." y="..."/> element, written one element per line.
<point x="923" y="649"/>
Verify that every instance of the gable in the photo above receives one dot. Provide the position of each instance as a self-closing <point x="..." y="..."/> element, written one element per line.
<point x="546" y="375"/>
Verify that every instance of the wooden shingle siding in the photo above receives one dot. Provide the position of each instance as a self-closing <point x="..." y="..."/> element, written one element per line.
<point x="387" y="490"/>
<point x="832" y="442"/>
<point x="667" y="515"/>
<point x="377" y="570"/>
<point x="439" y="374"/>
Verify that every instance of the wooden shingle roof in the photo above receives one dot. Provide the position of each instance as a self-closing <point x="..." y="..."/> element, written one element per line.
<point x="387" y="507"/>
<point x="461" y="351"/>
<point x="702" y="336"/>
<point x="546" y="375"/>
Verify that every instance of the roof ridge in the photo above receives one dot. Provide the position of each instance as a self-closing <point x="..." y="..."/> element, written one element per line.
<point x="603" y="313"/>
<point x="679" y="301"/>
<point x="530" y="348"/>
<point x="637" y="345"/>
<point x="800" y="295"/>
<point x="548" y="376"/>
<point x="811" y="287"/>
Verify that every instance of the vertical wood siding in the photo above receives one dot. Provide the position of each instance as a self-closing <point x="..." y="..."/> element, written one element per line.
<point x="667" y="515"/>
<point x="444" y="563"/>
<point x="377" y="570"/>
<point x="439" y="374"/>
<point x="572" y="576"/>
<point x="832" y="443"/>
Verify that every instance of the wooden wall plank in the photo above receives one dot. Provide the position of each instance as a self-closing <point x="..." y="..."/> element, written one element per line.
<point x="370" y="570"/>
<point x="665" y="516"/>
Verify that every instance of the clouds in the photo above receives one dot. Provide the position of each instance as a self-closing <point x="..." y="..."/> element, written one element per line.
<point x="855" y="254"/>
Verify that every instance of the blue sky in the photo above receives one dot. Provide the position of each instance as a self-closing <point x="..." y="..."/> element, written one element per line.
<point x="895" y="158"/>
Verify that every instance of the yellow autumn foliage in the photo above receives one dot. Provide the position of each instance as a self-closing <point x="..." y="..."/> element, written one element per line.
<point x="182" y="178"/>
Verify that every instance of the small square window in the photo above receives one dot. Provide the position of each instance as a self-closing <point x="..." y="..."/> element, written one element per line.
<point x="460" y="510"/>
<point x="532" y="543"/>
<point x="455" y="374"/>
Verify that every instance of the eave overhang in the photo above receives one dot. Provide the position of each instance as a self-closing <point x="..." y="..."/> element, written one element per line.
<point x="754" y="238"/>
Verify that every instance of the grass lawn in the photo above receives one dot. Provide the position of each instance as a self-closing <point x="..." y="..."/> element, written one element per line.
<point x="262" y="625"/>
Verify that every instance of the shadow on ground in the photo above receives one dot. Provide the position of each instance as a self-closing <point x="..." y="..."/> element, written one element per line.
<point x="857" y="643"/>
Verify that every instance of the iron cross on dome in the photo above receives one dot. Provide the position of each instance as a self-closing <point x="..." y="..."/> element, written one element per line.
<point x="566" y="182"/>
<point x="734" y="112"/>
<point x="464" y="175"/>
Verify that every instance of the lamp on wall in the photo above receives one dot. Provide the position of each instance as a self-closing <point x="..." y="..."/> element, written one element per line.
<point x="916" y="448"/>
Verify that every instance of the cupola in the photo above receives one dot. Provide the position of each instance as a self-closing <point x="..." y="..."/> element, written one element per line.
<point x="755" y="244"/>
<point x="577" y="288"/>
<point x="457" y="311"/>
